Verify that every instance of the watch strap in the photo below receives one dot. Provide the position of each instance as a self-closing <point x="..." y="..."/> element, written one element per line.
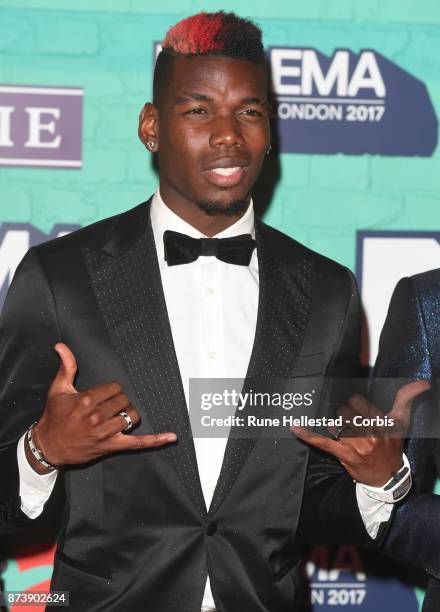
<point x="397" y="487"/>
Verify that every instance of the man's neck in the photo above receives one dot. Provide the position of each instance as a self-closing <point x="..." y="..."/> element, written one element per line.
<point x="209" y="225"/>
<point x="206" y="223"/>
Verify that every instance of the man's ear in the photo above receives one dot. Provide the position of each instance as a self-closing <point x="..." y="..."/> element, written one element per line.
<point x="148" y="130"/>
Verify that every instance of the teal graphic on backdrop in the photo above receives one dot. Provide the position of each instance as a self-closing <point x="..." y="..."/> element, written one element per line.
<point x="349" y="103"/>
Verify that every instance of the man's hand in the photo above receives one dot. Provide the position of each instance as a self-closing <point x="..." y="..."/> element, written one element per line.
<point x="373" y="456"/>
<point x="77" y="427"/>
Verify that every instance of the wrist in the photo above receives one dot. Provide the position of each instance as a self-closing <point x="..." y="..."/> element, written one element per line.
<point x="37" y="452"/>
<point x="381" y="482"/>
<point x="396" y="488"/>
<point x="33" y="462"/>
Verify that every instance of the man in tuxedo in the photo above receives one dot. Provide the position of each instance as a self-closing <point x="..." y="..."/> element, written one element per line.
<point x="410" y="348"/>
<point x="136" y="305"/>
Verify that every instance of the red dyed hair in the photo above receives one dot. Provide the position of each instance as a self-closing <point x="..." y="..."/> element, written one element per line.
<point x="199" y="34"/>
<point x="208" y="34"/>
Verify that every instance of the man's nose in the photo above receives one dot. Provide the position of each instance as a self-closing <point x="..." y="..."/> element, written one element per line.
<point x="225" y="131"/>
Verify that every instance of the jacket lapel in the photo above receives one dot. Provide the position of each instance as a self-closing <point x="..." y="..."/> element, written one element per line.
<point x="126" y="280"/>
<point x="286" y="279"/>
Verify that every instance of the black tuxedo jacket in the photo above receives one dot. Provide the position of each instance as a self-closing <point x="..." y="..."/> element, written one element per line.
<point x="136" y="533"/>
<point x="410" y="349"/>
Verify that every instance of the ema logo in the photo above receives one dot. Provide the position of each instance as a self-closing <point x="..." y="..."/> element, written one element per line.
<point x="342" y="579"/>
<point x="349" y="103"/>
<point x="15" y="240"/>
<point x="40" y="126"/>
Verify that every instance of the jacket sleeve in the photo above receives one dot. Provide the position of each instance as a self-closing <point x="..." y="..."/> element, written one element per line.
<point x="330" y="512"/>
<point x="404" y="355"/>
<point x="28" y="332"/>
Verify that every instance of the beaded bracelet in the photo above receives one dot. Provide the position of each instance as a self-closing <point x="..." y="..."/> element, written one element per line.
<point x="37" y="453"/>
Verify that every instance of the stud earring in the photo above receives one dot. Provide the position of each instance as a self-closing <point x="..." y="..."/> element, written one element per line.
<point x="150" y="146"/>
<point x="269" y="149"/>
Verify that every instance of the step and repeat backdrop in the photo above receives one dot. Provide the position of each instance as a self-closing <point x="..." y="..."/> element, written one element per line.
<point x="355" y="172"/>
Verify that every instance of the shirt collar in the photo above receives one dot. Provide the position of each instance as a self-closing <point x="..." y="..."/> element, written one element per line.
<point x="163" y="218"/>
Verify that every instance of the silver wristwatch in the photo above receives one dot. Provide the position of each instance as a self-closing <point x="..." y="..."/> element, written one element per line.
<point x="396" y="488"/>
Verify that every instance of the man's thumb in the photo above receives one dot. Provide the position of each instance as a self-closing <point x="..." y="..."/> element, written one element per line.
<point x="63" y="381"/>
<point x="404" y="398"/>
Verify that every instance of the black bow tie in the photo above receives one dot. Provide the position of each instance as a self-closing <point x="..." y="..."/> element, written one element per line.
<point x="181" y="249"/>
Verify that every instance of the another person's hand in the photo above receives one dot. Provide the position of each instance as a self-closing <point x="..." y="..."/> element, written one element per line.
<point x="77" y="427"/>
<point x="374" y="455"/>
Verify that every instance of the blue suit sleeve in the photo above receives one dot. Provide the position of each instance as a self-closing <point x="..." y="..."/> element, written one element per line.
<point x="404" y="355"/>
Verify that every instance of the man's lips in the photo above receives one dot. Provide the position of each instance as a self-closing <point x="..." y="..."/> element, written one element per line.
<point x="226" y="176"/>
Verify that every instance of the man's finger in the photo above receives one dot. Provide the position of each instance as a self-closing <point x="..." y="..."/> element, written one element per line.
<point x="103" y="392"/>
<point x="123" y="442"/>
<point x="361" y="405"/>
<point x="63" y="381"/>
<point x="117" y="424"/>
<point x="112" y="406"/>
<point x="328" y="445"/>
<point x="401" y="410"/>
<point x="344" y="451"/>
<point x="349" y="429"/>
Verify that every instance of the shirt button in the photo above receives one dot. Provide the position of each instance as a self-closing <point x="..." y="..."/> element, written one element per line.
<point x="212" y="354"/>
<point x="209" y="290"/>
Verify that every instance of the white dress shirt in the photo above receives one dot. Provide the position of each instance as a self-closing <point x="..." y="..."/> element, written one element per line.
<point x="212" y="308"/>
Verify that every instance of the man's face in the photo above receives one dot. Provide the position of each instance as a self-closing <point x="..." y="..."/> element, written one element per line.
<point x="213" y="133"/>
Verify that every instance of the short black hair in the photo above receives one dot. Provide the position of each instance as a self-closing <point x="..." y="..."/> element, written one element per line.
<point x="207" y="34"/>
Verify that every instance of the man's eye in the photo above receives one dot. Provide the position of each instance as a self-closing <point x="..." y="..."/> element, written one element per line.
<point x="252" y="112"/>
<point x="195" y="111"/>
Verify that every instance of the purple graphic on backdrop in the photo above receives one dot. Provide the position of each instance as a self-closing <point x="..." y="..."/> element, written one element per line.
<point x="40" y="126"/>
<point x="349" y="103"/>
<point x="15" y="240"/>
